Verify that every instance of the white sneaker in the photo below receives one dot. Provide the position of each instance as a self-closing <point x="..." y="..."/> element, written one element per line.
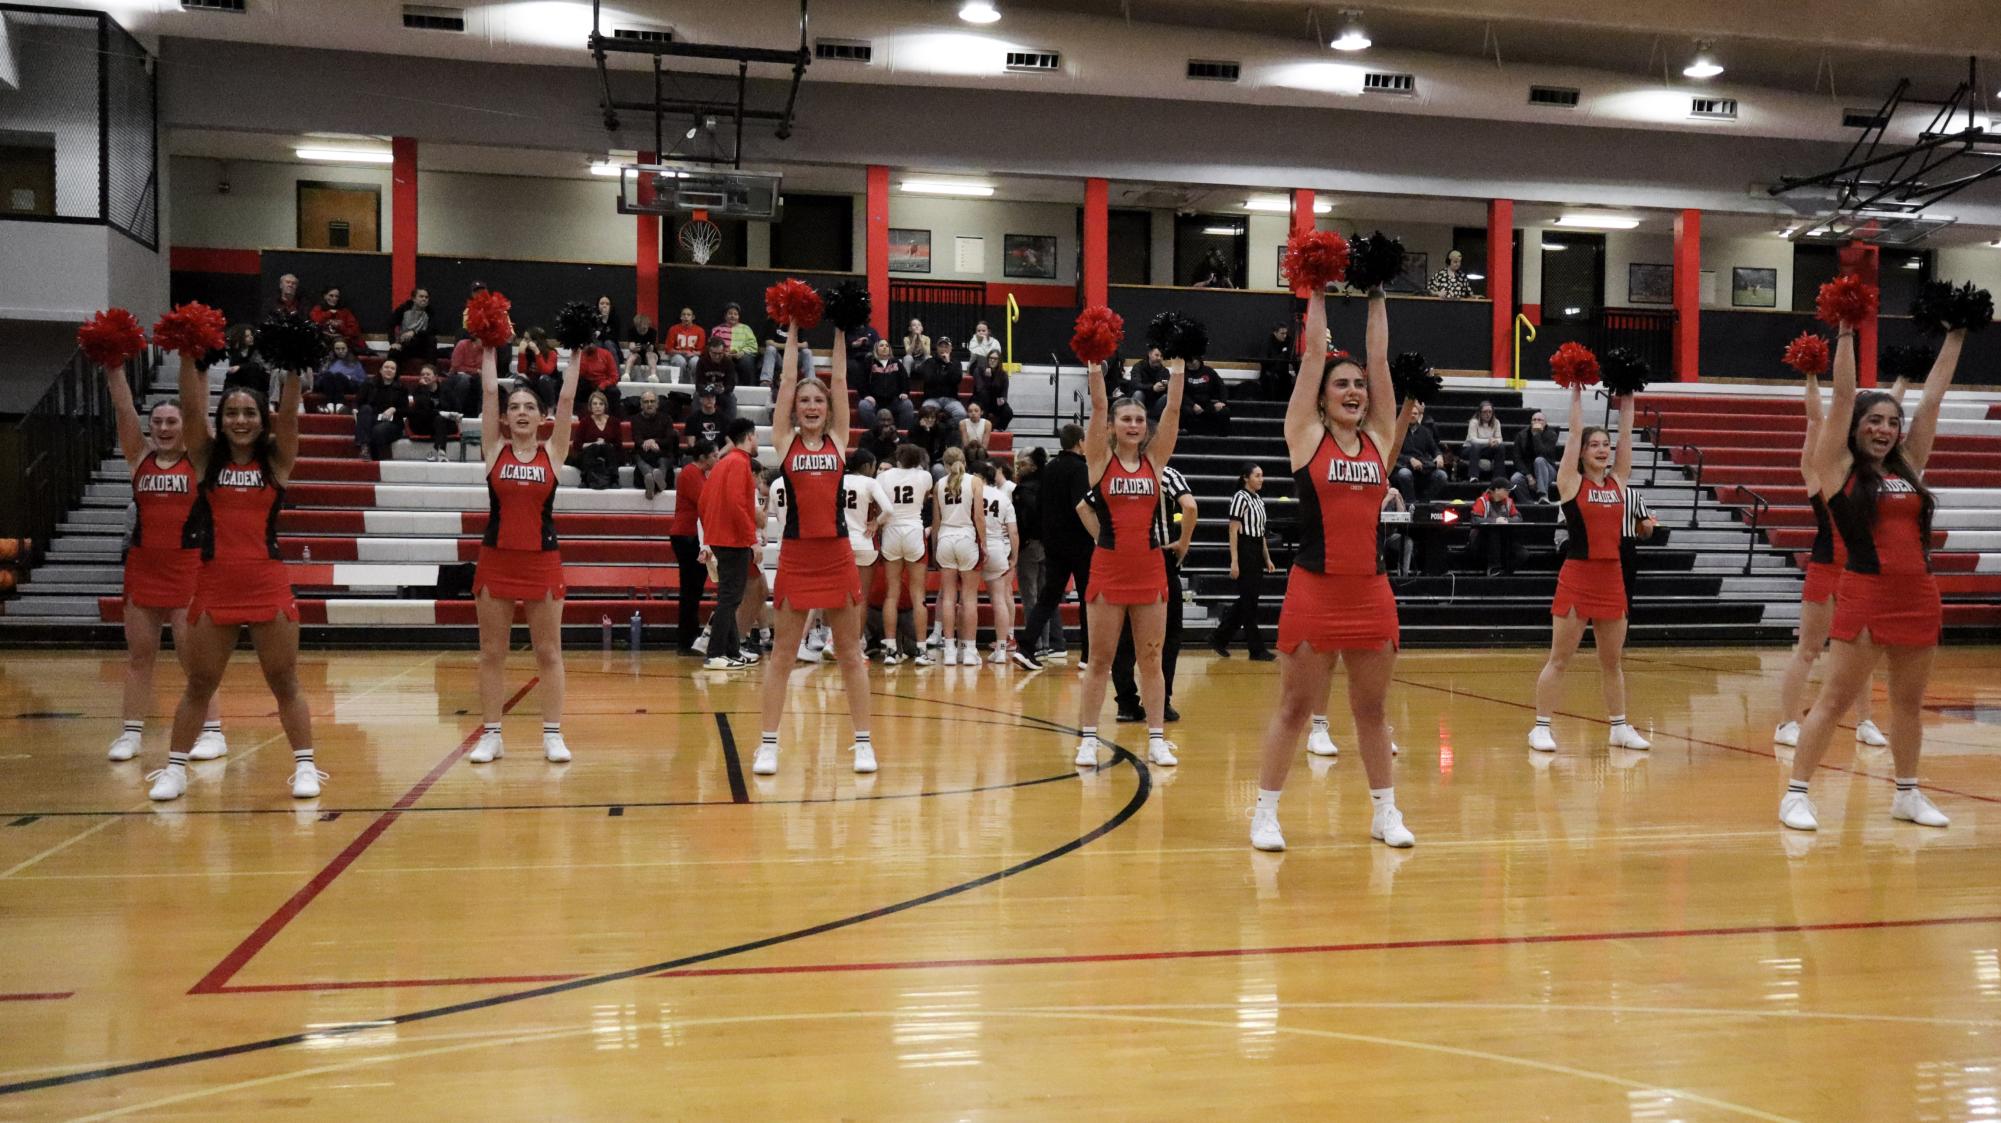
<point x="1913" y="807"/>
<point x="951" y="654"/>
<point x="701" y="644"/>
<point x="999" y="655"/>
<point x="1796" y="811"/>
<point x="1866" y="733"/>
<point x="125" y="747"/>
<point x="1394" y="751"/>
<point x="168" y="783"/>
<point x="554" y="749"/>
<point x="1087" y="754"/>
<point x="209" y="745"/>
<point x="1542" y="740"/>
<point x="1162" y="753"/>
<point x="306" y="781"/>
<point x="488" y="749"/>
<point x="924" y="659"/>
<point x="810" y="654"/>
<point x="1319" y="743"/>
<point x="1788" y="734"/>
<point x="1264" y="830"/>
<point x="765" y="763"/>
<point x="892" y="657"/>
<point x="1386" y="826"/>
<point x="864" y="757"/>
<point x="1624" y="736"/>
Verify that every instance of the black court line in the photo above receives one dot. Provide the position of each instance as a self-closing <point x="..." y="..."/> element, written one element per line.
<point x="738" y="792"/>
<point x="616" y="812"/>
<point x="1141" y="791"/>
<point x="24" y="820"/>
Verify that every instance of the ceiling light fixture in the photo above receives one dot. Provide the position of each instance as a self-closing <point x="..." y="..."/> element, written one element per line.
<point x="940" y="187"/>
<point x="1279" y="204"/>
<point x="1550" y="246"/>
<point x="1704" y="64"/>
<point x="1914" y="263"/>
<point x="1597" y="222"/>
<point x="1352" y="36"/>
<point x="346" y="155"/>
<point x="1476" y="276"/>
<point x="1223" y="231"/>
<point x="605" y="168"/>
<point x="979" y="11"/>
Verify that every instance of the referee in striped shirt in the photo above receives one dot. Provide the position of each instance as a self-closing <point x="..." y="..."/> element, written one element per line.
<point x="1174" y="525"/>
<point x="1640" y="524"/>
<point x="1250" y="560"/>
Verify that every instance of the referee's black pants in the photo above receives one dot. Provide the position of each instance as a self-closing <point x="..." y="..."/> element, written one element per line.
<point x="1124" y="686"/>
<point x="1058" y="571"/>
<point x="1243" y="612"/>
<point x="694" y="577"/>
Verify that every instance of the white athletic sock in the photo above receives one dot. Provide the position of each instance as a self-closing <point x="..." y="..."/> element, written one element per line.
<point x="1156" y="736"/>
<point x="1320" y="723"/>
<point x="135" y="726"/>
<point x="769" y="739"/>
<point x="1617" y="719"/>
<point x="861" y="737"/>
<point x="303" y="755"/>
<point x="1267" y="801"/>
<point x="552" y="729"/>
<point x="1797" y="787"/>
<point x="1542" y="721"/>
<point x="1383" y="797"/>
<point x="490" y="727"/>
<point x="176" y="760"/>
<point x="1907" y="785"/>
<point x="1091" y="734"/>
<point x="208" y="726"/>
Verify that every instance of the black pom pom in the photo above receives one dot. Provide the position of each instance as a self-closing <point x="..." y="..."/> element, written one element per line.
<point x="1414" y="378"/>
<point x="1940" y="307"/>
<point x="576" y="324"/>
<point x="849" y="305"/>
<point x="1622" y="372"/>
<point x="1177" y="336"/>
<point x="290" y="341"/>
<point x="1906" y="362"/>
<point x="1374" y="261"/>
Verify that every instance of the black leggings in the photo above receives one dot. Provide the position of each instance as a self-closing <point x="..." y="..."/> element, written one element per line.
<point x="694" y="578"/>
<point x="1058" y="571"/>
<point x="1243" y="612"/>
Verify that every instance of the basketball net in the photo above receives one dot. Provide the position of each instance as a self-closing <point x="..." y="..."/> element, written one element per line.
<point x="701" y="238"/>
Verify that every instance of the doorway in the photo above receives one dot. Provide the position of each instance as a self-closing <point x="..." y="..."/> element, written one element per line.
<point x="1573" y="276"/>
<point x="340" y="216"/>
<point x="28" y="179"/>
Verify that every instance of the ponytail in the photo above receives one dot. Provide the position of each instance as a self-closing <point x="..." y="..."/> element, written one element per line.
<point x="955" y="473"/>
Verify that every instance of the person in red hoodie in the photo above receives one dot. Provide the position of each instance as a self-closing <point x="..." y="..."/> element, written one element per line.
<point x="685" y="343"/>
<point x="685" y="533"/>
<point x="600" y="372"/>
<point x="729" y="534"/>
<point x="338" y="322"/>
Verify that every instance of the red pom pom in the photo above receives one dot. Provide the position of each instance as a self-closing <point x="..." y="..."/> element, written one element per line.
<point x="1099" y="333"/>
<point x="1315" y="259"/>
<point x="1847" y="299"/>
<point x="1574" y="365"/>
<point x="1807" y="354"/>
<point x="792" y="301"/>
<point x="109" y="338"/>
<point x="193" y="329"/>
<point x="488" y="320"/>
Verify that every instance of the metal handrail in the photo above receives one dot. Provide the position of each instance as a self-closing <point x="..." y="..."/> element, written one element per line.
<point x="1758" y="509"/>
<point x="55" y="446"/>
<point x="1695" y="504"/>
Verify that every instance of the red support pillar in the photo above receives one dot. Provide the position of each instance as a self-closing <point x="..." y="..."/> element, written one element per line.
<point x="875" y="253"/>
<point x="402" y="218"/>
<point x="1864" y="260"/>
<point x="1687" y="295"/>
<point x="646" y="256"/>
<point x="1097" y="219"/>
<point x="1501" y="285"/>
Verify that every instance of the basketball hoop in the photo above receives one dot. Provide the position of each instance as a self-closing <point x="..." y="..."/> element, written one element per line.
<point x="701" y="238"/>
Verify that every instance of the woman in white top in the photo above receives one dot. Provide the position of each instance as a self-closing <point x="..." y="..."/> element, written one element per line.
<point x="976" y="428"/>
<point x="906" y="486"/>
<point x="982" y="344"/>
<point x="861" y="492"/>
<point x="958" y="506"/>
<point x="1003" y="551"/>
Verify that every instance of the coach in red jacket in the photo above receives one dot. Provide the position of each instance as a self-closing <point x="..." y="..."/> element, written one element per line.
<point x="729" y="531"/>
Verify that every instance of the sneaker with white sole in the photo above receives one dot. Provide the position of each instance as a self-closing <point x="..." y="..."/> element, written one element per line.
<point x="1913" y="807"/>
<point x="1788" y="734"/>
<point x="554" y="749"/>
<point x="864" y="757"/>
<point x="1087" y="754"/>
<point x="951" y="654"/>
<point x="891" y="657"/>
<point x="810" y="654"/>
<point x="125" y="747"/>
<point x="209" y="745"/>
<point x="1866" y="733"/>
<point x="999" y="656"/>
<point x="1320" y="743"/>
<point x="1027" y="661"/>
<point x="765" y="763"/>
<point x="1386" y="826"/>
<point x="306" y="780"/>
<point x="1624" y="736"/>
<point x="170" y="782"/>
<point x="1796" y="811"/>
<point x="488" y="750"/>
<point x="1542" y="740"/>
<point x="701" y="644"/>
<point x="1265" y="834"/>
<point x="1162" y="753"/>
<point x="923" y="659"/>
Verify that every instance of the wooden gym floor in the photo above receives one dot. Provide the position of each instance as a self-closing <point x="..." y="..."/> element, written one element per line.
<point x="979" y="930"/>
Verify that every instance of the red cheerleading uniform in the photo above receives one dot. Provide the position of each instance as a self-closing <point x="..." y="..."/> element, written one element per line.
<point x="1591" y="583"/>
<point x="816" y="562"/>
<point x="1887" y="588"/>
<point x="519" y="558"/>
<point x="1337" y="596"/>
<point x="1129" y="566"/>
<point x="1829" y="557"/>
<point x="160" y="566"/>
<point x="234" y="525"/>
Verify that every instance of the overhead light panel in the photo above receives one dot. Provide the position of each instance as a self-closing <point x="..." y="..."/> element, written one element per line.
<point x="940" y="187"/>
<point x="1548" y="246"/>
<point x="1597" y="222"/>
<point x="347" y="155"/>
<point x="1351" y="36"/>
<point x="979" y="11"/>
<point x="1476" y="276"/>
<point x="1704" y="64"/>
<point x="1279" y="204"/>
<point x="1223" y="231"/>
<point x="605" y="168"/>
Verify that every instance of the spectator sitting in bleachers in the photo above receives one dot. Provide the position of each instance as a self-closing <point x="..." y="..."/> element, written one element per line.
<point x="1495" y="547"/>
<point x="338" y="322"/>
<point x="288" y="302"/>
<point x="1536" y="451"/>
<point x="1420" y="471"/>
<point x="606" y="332"/>
<point x="643" y="344"/>
<point x="461" y="393"/>
<point x="708" y="421"/>
<point x="411" y="338"/>
<point x="340" y="374"/>
<point x="685" y="343"/>
<point x="861" y="354"/>
<point x="427" y="418"/>
<point x="940" y="376"/>
<point x="653" y="445"/>
<point x="881" y="439"/>
<point x="990" y="386"/>
<point x="975" y="431"/>
<point x="378" y="412"/>
<point x="916" y="346"/>
<point x="597" y="369"/>
<point x="599" y="443"/>
<point x="244" y="366"/>
<point x="1150" y="375"/>
<point x="934" y="433"/>
<point x="1484" y="456"/>
<point x="535" y="360"/>
<point x="715" y="374"/>
<point x="1279" y="366"/>
<point x="774" y="350"/>
<point x="885" y="391"/>
<point x="981" y="345"/>
<point x="1203" y="408"/>
<point x="739" y="343"/>
<point x="1119" y="385"/>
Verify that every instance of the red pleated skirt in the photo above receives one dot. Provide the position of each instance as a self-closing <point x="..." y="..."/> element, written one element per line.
<point x="1821" y="579"/>
<point x="1593" y="588"/>
<point x="1896" y="609"/>
<point x="243" y="592"/>
<point x="1337" y="612"/>
<point x="816" y="573"/>
<point x="1128" y="576"/>
<point x="161" y="579"/>
<point x="523" y="575"/>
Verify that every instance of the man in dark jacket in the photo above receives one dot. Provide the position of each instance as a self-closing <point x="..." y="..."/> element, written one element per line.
<point x="654" y="445"/>
<point x="707" y="423"/>
<point x="1066" y="544"/>
<point x="1420" y="468"/>
<point x="1536" y="454"/>
<point x="1203" y="410"/>
<point x="940" y="376"/>
<point x="715" y="373"/>
<point x="1150" y="375"/>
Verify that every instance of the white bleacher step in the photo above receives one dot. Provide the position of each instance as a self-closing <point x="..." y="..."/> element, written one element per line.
<point x="77" y="573"/>
<point x="53" y="606"/>
<point x="91" y="530"/>
<point x="1733" y="561"/>
<point x="86" y="548"/>
<point x="450" y="497"/>
<point x="113" y="516"/>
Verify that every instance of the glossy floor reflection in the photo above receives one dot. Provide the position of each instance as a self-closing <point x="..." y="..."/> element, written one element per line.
<point x="979" y="929"/>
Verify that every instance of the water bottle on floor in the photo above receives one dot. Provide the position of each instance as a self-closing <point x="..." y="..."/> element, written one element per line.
<point x="634" y="627"/>
<point x="604" y="623"/>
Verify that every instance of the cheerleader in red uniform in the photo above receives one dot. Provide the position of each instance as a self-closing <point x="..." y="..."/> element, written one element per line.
<point x="1341" y="431"/>
<point x="816" y="562"/>
<point x="159" y="567"/>
<point x="1590" y="589"/>
<point x="1871" y="476"/>
<point x="242" y="466"/>
<point x="1128" y="568"/>
<point x="519" y="561"/>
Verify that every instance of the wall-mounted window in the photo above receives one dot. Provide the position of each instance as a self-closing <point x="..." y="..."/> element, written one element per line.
<point x="1211" y="250"/>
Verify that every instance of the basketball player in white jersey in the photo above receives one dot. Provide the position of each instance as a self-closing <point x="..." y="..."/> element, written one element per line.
<point x="865" y="506"/>
<point x="908" y="488"/>
<point x="958" y="520"/>
<point x="1003" y="551"/>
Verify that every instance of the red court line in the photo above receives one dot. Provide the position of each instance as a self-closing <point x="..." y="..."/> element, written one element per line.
<point x="379" y="984"/>
<point x="1330" y="949"/>
<point x="51" y="996"/>
<point x="217" y="979"/>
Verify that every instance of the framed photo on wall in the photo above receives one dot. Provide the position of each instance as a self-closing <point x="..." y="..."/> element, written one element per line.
<point x="1029" y="255"/>
<point x="909" y="251"/>
<point x="1649" y="284"/>
<point x="1754" y="288"/>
